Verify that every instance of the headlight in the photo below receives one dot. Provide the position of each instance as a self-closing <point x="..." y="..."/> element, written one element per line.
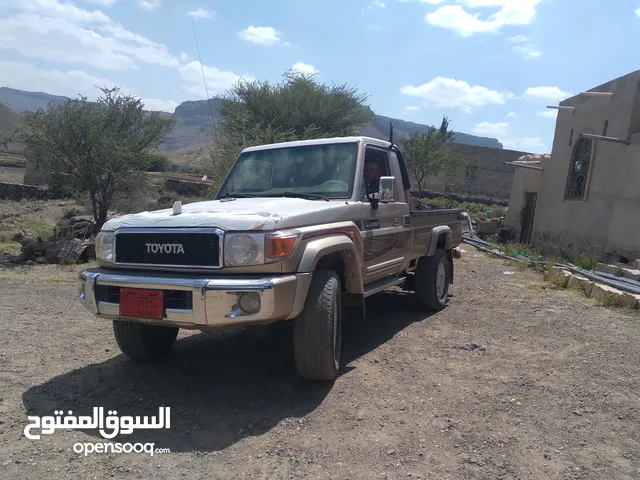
<point x="104" y="247"/>
<point x="242" y="249"/>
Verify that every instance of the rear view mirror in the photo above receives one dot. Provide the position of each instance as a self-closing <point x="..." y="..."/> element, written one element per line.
<point x="386" y="190"/>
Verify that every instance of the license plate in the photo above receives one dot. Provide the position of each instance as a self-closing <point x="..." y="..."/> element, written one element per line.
<point x="135" y="302"/>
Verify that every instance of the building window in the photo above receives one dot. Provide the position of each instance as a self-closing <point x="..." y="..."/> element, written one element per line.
<point x="605" y="128"/>
<point x="571" y="137"/>
<point x="471" y="172"/>
<point x="579" y="170"/>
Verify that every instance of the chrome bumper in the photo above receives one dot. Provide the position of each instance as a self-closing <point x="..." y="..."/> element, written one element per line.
<point x="214" y="301"/>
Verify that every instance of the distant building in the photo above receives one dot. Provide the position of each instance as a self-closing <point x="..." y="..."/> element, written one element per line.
<point x="487" y="175"/>
<point x="585" y="197"/>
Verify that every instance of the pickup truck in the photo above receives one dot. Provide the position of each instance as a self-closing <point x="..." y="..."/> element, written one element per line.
<point x="294" y="234"/>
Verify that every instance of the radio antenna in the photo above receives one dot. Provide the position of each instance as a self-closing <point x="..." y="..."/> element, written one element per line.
<point x="204" y="79"/>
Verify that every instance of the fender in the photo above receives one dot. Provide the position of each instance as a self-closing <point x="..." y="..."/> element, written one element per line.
<point x="435" y="236"/>
<point x="316" y="249"/>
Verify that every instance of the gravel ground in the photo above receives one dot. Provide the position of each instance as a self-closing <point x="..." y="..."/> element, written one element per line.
<point x="513" y="380"/>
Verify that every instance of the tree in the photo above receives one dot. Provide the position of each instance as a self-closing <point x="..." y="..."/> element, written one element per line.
<point x="8" y="137"/>
<point x="431" y="154"/>
<point x="101" y="144"/>
<point x="255" y="112"/>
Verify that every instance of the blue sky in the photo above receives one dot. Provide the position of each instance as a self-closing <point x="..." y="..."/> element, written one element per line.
<point x="491" y="66"/>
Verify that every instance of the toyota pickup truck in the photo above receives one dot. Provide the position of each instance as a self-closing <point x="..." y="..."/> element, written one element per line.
<point x="300" y="232"/>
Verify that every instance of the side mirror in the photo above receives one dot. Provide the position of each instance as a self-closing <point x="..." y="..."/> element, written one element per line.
<point x="386" y="190"/>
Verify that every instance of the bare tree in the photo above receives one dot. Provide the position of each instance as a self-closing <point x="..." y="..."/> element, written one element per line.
<point x="100" y="144"/>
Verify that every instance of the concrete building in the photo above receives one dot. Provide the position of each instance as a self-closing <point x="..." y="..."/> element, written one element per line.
<point x="585" y="197"/>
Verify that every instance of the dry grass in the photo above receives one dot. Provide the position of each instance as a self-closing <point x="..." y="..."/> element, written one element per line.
<point x="11" y="175"/>
<point x="35" y="218"/>
<point x="43" y="273"/>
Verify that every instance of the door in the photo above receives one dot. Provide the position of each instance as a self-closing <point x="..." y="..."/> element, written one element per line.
<point x="386" y="239"/>
<point x="528" y="216"/>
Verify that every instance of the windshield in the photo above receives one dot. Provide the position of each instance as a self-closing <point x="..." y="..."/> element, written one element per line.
<point x="314" y="170"/>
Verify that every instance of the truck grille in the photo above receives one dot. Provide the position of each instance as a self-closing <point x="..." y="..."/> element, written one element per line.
<point x="176" y="249"/>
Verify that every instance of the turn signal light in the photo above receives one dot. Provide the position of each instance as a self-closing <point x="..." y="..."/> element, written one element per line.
<point x="280" y="247"/>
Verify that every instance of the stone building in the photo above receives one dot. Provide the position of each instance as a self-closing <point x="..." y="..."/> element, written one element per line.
<point x="585" y="197"/>
<point x="490" y="173"/>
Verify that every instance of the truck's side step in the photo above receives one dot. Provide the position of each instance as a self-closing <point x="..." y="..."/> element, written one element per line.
<point x="383" y="284"/>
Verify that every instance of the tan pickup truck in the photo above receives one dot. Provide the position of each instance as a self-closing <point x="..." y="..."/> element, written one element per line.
<point x="299" y="231"/>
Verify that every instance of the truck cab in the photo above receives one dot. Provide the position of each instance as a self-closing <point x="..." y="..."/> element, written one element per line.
<point x="300" y="232"/>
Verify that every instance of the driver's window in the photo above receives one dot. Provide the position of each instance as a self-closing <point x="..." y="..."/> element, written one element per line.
<point x="252" y="175"/>
<point x="376" y="165"/>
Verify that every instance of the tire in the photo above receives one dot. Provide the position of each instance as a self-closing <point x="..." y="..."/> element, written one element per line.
<point x="140" y="341"/>
<point x="432" y="280"/>
<point x="317" y="333"/>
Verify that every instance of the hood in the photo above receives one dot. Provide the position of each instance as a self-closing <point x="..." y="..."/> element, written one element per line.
<point x="237" y="214"/>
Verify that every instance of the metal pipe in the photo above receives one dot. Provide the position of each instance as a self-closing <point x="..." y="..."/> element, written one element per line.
<point x="625" y="287"/>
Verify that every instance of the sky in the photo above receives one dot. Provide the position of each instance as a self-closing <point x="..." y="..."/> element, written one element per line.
<point x="491" y="66"/>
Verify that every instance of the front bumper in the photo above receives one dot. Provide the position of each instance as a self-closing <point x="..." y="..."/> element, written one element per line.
<point x="197" y="302"/>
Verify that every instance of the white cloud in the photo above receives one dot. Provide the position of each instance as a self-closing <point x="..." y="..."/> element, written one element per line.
<point x="202" y="13"/>
<point x="506" y="12"/>
<point x="54" y="9"/>
<point x="412" y="108"/>
<point x="547" y="93"/>
<point x="71" y="83"/>
<point x="378" y="4"/>
<point x="527" y="51"/>
<point x="525" y="144"/>
<point x="449" y="92"/>
<point x="104" y="3"/>
<point x="487" y="128"/>
<point x="638" y="12"/>
<point x="513" y="115"/>
<point x="524" y="46"/>
<point x="547" y="113"/>
<point x="157" y="104"/>
<point x="149" y="4"/>
<point x="261" y="35"/>
<point x="65" y="33"/>
<point x="374" y="27"/>
<point x="218" y="81"/>
<point x="304" y="68"/>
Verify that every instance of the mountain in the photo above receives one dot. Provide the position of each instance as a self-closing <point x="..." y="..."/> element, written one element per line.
<point x="194" y="117"/>
<point x="9" y="119"/>
<point x="21" y="101"/>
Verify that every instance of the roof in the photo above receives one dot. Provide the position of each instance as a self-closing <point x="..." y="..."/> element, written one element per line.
<point x="319" y="141"/>
<point x="534" y="157"/>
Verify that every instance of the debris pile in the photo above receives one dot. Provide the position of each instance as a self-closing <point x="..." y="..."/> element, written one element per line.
<point x="70" y="242"/>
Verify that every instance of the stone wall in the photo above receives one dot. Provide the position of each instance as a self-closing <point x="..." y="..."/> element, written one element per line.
<point x="17" y="192"/>
<point x="492" y="177"/>
<point x="189" y="188"/>
<point x="33" y="173"/>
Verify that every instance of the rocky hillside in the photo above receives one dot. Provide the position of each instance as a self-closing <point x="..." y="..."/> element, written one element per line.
<point x="194" y="118"/>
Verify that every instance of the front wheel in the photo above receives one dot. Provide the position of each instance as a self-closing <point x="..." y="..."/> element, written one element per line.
<point x="432" y="280"/>
<point x="317" y="333"/>
<point x="141" y="340"/>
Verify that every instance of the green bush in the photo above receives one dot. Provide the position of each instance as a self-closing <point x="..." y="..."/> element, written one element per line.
<point x="159" y="163"/>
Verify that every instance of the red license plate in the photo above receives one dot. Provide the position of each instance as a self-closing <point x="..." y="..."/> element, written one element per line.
<point x="135" y="302"/>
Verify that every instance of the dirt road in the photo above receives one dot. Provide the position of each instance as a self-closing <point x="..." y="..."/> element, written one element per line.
<point x="511" y="381"/>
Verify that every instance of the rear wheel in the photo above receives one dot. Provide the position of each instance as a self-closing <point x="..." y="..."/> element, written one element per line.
<point x="432" y="280"/>
<point x="317" y="334"/>
<point x="140" y="340"/>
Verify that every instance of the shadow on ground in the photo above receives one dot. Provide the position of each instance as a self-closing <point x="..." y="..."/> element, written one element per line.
<point x="221" y="388"/>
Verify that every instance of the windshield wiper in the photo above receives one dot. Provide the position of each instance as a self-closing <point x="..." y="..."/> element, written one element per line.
<point x="307" y="196"/>
<point x="239" y="195"/>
